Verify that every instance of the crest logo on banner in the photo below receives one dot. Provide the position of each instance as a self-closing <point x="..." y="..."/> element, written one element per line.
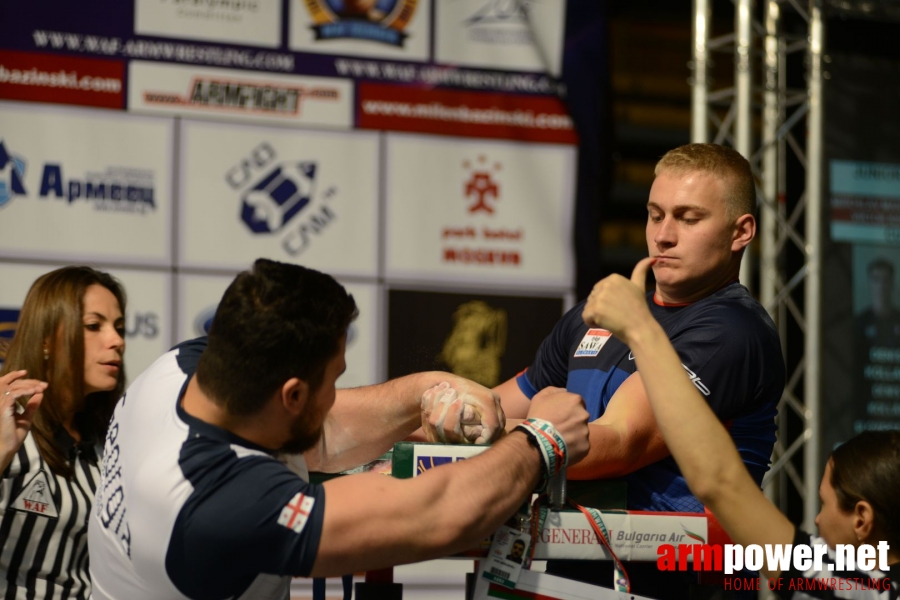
<point x="284" y="199"/>
<point x="481" y="186"/>
<point x="12" y="175"/>
<point x="382" y="21"/>
<point x="497" y="245"/>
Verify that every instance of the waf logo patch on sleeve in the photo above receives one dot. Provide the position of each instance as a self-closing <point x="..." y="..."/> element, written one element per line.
<point x="592" y="342"/>
<point x="296" y="513"/>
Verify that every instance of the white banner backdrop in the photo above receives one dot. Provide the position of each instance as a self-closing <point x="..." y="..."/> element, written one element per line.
<point x="397" y="31"/>
<point x="83" y="184"/>
<point x="148" y="315"/>
<point x="515" y="36"/>
<point x="256" y="23"/>
<point x="462" y="210"/>
<point x="159" y="88"/>
<point x="200" y="294"/>
<point x="309" y="197"/>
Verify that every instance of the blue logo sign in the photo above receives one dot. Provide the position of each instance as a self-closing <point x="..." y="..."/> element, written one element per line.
<point x="278" y="197"/>
<point x="203" y="321"/>
<point x="12" y="175"/>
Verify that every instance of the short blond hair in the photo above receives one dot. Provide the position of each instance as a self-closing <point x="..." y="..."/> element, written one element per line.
<point x="722" y="162"/>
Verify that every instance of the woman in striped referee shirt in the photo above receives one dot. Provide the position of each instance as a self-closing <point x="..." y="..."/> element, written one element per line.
<point x="70" y="335"/>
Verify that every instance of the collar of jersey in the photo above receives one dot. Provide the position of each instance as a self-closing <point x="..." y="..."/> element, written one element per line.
<point x="659" y="302"/>
<point x="200" y="428"/>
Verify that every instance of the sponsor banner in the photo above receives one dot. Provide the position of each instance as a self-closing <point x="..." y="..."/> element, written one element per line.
<point x="395" y="29"/>
<point x="633" y="536"/>
<point x="297" y="196"/>
<point x="249" y="22"/>
<point x="230" y="94"/>
<point x="148" y="320"/>
<point x="497" y="213"/>
<point x="83" y="185"/>
<point x="485" y="338"/>
<point x="865" y="202"/>
<point x="37" y="77"/>
<point x="524" y="35"/>
<point x="199" y="295"/>
<point x="467" y="114"/>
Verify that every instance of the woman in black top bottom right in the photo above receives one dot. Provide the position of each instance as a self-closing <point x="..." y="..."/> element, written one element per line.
<point x="859" y="490"/>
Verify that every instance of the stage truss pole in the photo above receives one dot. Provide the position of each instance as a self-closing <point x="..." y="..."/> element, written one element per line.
<point x="790" y="292"/>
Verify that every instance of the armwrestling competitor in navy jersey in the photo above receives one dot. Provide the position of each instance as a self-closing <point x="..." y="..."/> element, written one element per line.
<point x="699" y="221"/>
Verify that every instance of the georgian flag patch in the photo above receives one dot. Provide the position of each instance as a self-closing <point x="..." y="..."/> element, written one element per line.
<point x="592" y="342"/>
<point x="296" y="513"/>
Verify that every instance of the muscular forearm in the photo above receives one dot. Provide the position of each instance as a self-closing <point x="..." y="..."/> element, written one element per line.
<point x="443" y="511"/>
<point x="366" y="421"/>
<point x="610" y="455"/>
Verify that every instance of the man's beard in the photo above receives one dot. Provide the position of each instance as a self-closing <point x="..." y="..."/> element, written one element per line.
<point x="302" y="439"/>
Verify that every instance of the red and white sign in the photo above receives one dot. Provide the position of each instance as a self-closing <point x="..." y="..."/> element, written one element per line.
<point x="250" y="22"/>
<point x="469" y="114"/>
<point x="246" y="95"/>
<point x="36" y="77"/>
<point x="592" y="342"/>
<point x="464" y="210"/>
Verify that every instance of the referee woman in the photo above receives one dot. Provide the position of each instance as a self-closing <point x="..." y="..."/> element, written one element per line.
<point x="62" y="376"/>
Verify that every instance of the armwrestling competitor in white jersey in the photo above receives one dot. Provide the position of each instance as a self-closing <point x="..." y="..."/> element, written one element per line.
<point x="195" y="503"/>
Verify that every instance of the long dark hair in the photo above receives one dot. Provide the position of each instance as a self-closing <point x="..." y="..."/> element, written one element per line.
<point x="867" y="467"/>
<point x="49" y="344"/>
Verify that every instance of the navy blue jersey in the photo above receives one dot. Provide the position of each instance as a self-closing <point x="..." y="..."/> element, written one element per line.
<point x="188" y="510"/>
<point x="730" y="350"/>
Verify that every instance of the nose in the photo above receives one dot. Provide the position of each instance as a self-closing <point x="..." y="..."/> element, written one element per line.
<point x="664" y="234"/>
<point x="116" y="341"/>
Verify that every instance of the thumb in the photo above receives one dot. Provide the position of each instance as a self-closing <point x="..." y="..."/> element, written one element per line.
<point x="639" y="275"/>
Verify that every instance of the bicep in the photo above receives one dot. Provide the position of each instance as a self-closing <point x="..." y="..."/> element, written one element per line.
<point x="513" y="400"/>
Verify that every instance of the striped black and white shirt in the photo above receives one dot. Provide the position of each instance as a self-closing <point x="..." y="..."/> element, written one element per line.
<point x="831" y="585"/>
<point x="44" y="522"/>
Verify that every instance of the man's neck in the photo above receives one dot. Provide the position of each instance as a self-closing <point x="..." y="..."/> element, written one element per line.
<point x="200" y="406"/>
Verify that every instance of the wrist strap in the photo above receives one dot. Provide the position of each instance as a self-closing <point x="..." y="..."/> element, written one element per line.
<point x="550" y="444"/>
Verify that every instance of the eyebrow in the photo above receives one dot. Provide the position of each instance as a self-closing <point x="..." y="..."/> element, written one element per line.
<point x="680" y="208"/>
<point x="102" y="316"/>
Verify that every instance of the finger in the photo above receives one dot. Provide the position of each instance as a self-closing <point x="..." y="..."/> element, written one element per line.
<point x="12" y="376"/>
<point x="639" y="275"/>
<point x="30" y="409"/>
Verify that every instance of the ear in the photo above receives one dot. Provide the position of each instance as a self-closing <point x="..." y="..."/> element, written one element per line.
<point x="744" y="232"/>
<point x="294" y="395"/>
<point x="863" y="520"/>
